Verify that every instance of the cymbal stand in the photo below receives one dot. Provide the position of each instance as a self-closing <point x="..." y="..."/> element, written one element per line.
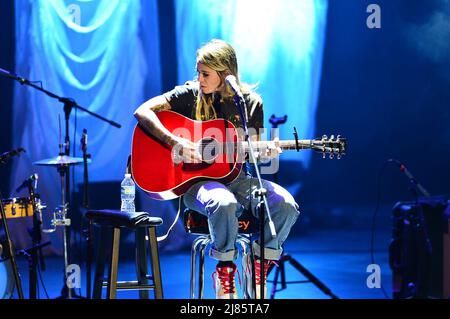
<point x="61" y="212"/>
<point x="60" y="219"/>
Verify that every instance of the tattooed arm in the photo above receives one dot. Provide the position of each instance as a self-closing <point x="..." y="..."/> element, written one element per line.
<point x="146" y="116"/>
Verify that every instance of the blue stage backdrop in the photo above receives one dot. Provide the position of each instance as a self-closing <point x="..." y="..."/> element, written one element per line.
<point x="92" y="51"/>
<point x="106" y="55"/>
<point x="279" y="45"/>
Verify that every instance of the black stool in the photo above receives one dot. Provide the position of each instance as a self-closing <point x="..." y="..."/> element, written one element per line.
<point x="111" y="222"/>
<point x="197" y="224"/>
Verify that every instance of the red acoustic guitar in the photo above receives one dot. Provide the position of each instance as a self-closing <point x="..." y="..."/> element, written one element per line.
<point x="157" y="168"/>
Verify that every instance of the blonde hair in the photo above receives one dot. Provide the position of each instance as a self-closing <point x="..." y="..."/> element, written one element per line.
<point x="221" y="57"/>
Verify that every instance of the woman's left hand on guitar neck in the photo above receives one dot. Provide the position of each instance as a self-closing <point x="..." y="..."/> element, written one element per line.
<point x="271" y="150"/>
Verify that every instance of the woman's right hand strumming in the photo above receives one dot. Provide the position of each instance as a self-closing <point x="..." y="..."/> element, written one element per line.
<point x="186" y="151"/>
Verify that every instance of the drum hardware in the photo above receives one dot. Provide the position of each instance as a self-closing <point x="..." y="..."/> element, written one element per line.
<point x="59" y="219"/>
<point x="18" y="207"/>
<point x="34" y="253"/>
<point x="60" y="214"/>
<point x="6" y="278"/>
<point x="23" y="207"/>
<point x="68" y="104"/>
<point x="13" y="209"/>
<point x="9" y="243"/>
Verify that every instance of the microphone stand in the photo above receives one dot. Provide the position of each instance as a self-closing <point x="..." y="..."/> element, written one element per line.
<point x="424" y="251"/>
<point x="36" y="248"/>
<point x="85" y="204"/>
<point x="69" y="104"/>
<point x="261" y="192"/>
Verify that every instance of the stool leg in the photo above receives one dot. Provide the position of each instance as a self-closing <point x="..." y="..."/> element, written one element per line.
<point x="194" y="266"/>
<point x="100" y="264"/>
<point x="156" y="268"/>
<point x="201" y="267"/>
<point x="112" y="278"/>
<point x="141" y="261"/>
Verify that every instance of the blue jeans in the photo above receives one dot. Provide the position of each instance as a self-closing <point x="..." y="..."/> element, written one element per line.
<point x="223" y="204"/>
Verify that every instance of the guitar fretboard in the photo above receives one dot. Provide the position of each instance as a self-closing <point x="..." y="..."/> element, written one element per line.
<point x="283" y="144"/>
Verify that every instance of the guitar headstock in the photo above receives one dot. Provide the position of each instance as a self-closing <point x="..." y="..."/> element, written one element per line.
<point x="330" y="145"/>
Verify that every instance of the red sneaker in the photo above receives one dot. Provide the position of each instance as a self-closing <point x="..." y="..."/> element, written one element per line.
<point x="224" y="285"/>
<point x="248" y="277"/>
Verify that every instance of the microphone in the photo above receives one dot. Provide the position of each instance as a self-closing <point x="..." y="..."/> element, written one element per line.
<point x="408" y="174"/>
<point x="27" y="182"/>
<point x="13" y="76"/>
<point x="5" y="156"/>
<point x="232" y="82"/>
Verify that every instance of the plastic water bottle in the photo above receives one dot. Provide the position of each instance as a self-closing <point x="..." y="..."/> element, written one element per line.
<point x="127" y="194"/>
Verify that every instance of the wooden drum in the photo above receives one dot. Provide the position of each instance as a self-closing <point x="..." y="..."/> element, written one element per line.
<point x="17" y="207"/>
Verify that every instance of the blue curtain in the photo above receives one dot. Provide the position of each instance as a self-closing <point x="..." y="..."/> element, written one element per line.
<point x="279" y="44"/>
<point x="105" y="54"/>
<point x="97" y="53"/>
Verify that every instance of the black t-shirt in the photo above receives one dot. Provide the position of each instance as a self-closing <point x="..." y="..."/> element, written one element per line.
<point x="182" y="100"/>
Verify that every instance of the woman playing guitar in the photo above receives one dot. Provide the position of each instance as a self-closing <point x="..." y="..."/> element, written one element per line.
<point x="210" y="98"/>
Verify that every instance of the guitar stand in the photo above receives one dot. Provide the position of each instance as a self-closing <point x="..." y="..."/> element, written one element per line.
<point x="305" y="272"/>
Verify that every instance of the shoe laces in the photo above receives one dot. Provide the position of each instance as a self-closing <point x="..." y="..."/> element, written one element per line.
<point x="267" y="264"/>
<point x="226" y="278"/>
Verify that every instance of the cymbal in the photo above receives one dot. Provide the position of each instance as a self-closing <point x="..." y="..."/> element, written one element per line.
<point x="60" y="160"/>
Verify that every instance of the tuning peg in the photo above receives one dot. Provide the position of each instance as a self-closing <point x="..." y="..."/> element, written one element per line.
<point x="332" y="137"/>
<point x="324" y="155"/>
<point x="338" y="156"/>
<point x="324" y="137"/>
<point x="331" y="155"/>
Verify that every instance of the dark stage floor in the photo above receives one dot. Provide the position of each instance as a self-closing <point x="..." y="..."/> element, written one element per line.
<point x="338" y="258"/>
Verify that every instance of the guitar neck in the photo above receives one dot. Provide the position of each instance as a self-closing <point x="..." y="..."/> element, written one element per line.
<point x="284" y="145"/>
